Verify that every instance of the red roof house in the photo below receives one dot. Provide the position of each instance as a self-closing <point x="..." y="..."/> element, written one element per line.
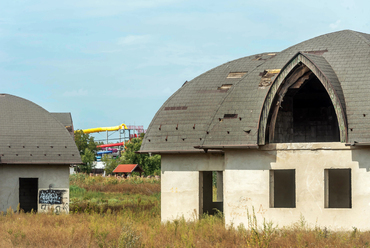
<point x="128" y="168"/>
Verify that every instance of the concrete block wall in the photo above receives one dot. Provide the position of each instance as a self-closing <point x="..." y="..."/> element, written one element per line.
<point x="246" y="184"/>
<point x="50" y="178"/>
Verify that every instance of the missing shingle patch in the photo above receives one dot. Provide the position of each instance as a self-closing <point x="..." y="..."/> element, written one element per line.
<point x="230" y="116"/>
<point x="176" y="108"/>
<point x="225" y="87"/>
<point x="264" y="56"/>
<point x="317" y="52"/>
<point x="267" y="77"/>
<point x="236" y="74"/>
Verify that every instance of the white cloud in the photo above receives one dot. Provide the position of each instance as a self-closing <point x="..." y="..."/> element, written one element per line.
<point x="167" y="91"/>
<point x="74" y="93"/>
<point x="335" y="24"/>
<point x="134" y="39"/>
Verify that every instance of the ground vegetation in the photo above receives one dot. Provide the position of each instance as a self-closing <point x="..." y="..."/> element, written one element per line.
<point x="115" y="212"/>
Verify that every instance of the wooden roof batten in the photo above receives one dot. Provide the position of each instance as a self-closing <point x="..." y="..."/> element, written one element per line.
<point x="280" y="86"/>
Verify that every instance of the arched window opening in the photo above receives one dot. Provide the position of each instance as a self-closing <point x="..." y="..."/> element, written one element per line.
<point x="303" y="111"/>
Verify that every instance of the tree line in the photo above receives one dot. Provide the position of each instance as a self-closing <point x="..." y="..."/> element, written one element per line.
<point x="87" y="146"/>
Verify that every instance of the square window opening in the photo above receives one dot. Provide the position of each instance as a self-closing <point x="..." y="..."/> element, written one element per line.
<point x="282" y="189"/>
<point x="338" y="188"/>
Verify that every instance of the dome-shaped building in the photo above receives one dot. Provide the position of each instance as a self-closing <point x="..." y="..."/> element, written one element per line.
<point x="36" y="151"/>
<point x="286" y="133"/>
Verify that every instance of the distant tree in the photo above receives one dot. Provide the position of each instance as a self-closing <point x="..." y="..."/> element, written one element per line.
<point x="87" y="147"/>
<point x="88" y="158"/>
<point x="110" y="163"/>
<point x="84" y="140"/>
<point x="151" y="164"/>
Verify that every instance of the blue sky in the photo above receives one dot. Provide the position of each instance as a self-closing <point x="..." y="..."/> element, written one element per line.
<point x="117" y="61"/>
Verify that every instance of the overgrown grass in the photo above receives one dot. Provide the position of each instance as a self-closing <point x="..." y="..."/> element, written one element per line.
<point x="111" y="219"/>
<point x="99" y="194"/>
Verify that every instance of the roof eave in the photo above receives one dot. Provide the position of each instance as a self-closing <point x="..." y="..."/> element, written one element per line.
<point x="246" y="146"/>
<point x="176" y="151"/>
<point x="41" y="163"/>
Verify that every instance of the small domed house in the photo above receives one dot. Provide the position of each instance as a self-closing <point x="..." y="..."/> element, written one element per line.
<point x="36" y="151"/>
<point x="284" y="133"/>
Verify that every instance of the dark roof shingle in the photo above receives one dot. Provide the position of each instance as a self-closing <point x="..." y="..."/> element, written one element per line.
<point x="343" y="55"/>
<point x="30" y="135"/>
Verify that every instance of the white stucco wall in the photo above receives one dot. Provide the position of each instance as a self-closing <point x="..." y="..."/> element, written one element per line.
<point x="180" y="183"/>
<point x="55" y="177"/>
<point x="247" y="184"/>
<point x="246" y="180"/>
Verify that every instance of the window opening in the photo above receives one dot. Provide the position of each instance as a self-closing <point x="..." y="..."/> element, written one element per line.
<point x="282" y="189"/>
<point x="28" y="191"/>
<point x="210" y="192"/>
<point x="306" y="114"/>
<point x="338" y="188"/>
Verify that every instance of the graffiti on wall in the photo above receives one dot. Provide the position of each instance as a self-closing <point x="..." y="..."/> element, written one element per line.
<point x="51" y="196"/>
<point x="56" y="200"/>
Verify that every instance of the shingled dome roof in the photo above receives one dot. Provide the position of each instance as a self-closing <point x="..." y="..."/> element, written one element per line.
<point x="232" y="105"/>
<point x="31" y="135"/>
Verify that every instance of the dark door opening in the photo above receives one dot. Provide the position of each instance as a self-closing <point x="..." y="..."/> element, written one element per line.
<point x="210" y="192"/>
<point x="28" y="190"/>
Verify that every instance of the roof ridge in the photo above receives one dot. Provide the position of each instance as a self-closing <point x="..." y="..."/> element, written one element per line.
<point x="322" y="35"/>
<point x="359" y="34"/>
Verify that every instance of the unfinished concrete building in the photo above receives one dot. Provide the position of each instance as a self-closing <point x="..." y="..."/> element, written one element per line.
<point x="286" y="134"/>
<point x="36" y="151"/>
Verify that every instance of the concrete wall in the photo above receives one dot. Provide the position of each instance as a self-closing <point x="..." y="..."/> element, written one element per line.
<point x="180" y="183"/>
<point x="246" y="184"/>
<point x="53" y="181"/>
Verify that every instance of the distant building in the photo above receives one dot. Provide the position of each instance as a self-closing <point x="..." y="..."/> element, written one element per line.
<point x="127" y="169"/>
<point x="36" y="151"/>
<point x="286" y="133"/>
<point x="99" y="167"/>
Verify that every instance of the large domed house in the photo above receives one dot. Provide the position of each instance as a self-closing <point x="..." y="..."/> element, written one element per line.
<point x="286" y="134"/>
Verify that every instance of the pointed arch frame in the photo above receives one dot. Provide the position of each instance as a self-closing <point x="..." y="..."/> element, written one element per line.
<point x="335" y="93"/>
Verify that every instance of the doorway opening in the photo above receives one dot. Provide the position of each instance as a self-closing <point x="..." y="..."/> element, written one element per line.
<point x="210" y="192"/>
<point x="28" y="191"/>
